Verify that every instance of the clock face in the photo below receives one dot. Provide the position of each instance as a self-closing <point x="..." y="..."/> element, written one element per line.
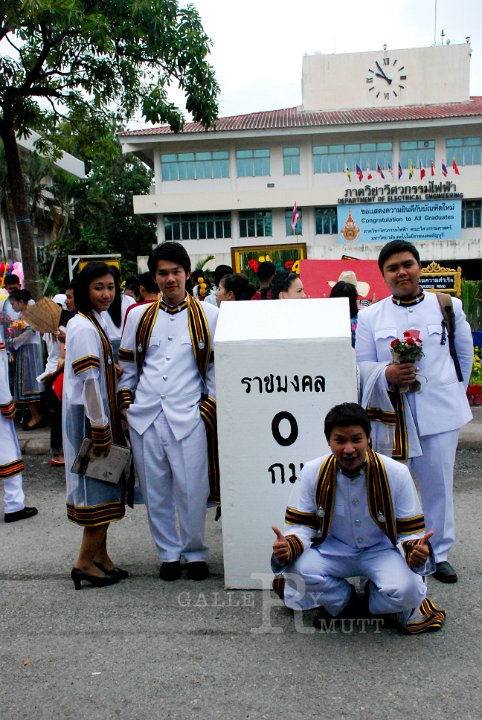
<point x="386" y="79"/>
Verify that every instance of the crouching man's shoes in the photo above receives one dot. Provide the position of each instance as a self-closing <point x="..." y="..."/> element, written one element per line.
<point x="170" y="571"/>
<point x="197" y="570"/>
<point x="24" y="514"/>
<point x="355" y="608"/>
<point x="445" y="572"/>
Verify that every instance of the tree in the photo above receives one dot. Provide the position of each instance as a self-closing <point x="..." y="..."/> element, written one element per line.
<point x="79" y="58"/>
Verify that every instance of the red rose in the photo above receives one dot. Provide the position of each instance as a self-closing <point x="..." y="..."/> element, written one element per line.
<point x="406" y="333"/>
<point x="410" y="341"/>
<point x="394" y="344"/>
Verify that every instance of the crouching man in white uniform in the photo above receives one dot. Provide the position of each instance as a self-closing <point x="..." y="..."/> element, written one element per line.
<point x="356" y="513"/>
<point x="167" y="394"/>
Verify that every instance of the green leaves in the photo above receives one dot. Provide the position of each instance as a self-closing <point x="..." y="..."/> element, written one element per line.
<point x="116" y="51"/>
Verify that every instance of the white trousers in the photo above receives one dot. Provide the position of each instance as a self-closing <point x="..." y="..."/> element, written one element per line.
<point x="173" y="475"/>
<point x="434" y="471"/>
<point x="317" y="578"/>
<point x="13" y="496"/>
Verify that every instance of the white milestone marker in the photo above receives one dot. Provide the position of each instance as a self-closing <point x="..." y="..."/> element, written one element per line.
<point x="280" y="366"/>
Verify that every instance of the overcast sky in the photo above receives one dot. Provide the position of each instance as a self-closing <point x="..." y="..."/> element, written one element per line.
<point x="258" y="45"/>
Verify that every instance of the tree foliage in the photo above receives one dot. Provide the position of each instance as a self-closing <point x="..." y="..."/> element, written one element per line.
<point x="76" y="60"/>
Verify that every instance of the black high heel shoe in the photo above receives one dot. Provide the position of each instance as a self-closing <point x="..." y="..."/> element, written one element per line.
<point x="78" y="575"/>
<point x="115" y="572"/>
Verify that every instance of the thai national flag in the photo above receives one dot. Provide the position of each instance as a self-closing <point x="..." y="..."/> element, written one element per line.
<point x="444" y="169"/>
<point x="400" y="172"/>
<point x="432" y="168"/>
<point x="380" y="172"/>
<point x="422" y="171"/>
<point x="454" y="165"/>
<point x="295" y="216"/>
<point x="359" y="172"/>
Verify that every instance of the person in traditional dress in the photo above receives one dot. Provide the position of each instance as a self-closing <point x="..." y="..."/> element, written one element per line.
<point x="355" y="513"/>
<point x="426" y="422"/>
<point x="29" y="363"/>
<point x="11" y="463"/>
<point x="167" y="393"/>
<point x="89" y="410"/>
<point x="7" y="314"/>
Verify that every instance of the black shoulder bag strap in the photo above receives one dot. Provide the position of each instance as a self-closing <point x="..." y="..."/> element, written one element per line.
<point x="448" y="323"/>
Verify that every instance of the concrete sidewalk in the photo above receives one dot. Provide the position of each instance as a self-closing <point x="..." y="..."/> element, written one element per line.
<point x="37" y="442"/>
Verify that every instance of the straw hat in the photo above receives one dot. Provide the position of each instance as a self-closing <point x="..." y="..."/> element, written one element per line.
<point x="348" y="276"/>
<point x="43" y="315"/>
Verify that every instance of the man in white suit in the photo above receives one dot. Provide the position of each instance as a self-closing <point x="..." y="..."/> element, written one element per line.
<point x="168" y="378"/>
<point x="429" y="420"/>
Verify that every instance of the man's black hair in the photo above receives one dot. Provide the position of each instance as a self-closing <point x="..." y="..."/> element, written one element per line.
<point x="220" y="271"/>
<point x="11" y="279"/>
<point x="344" y="415"/>
<point x="394" y="247"/>
<point x="265" y="270"/>
<point x="148" y="282"/>
<point x="172" y="251"/>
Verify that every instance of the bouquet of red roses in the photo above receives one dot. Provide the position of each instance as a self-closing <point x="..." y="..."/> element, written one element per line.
<point x="407" y="349"/>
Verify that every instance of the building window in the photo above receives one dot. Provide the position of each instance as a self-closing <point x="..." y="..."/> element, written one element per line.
<point x="471" y="213"/>
<point x="465" y="151"/>
<point x="195" y="166"/>
<point x="291" y="160"/>
<point x="288" y="219"/>
<point x="256" y="224"/>
<point x="253" y="163"/>
<point x="416" y="152"/>
<point x="326" y="221"/>
<point x="193" y="226"/>
<point x="336" y="158"/>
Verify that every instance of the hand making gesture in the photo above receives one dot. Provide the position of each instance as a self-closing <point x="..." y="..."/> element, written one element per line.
<point x="281" y="549"/>
<point x="420" y="552"/>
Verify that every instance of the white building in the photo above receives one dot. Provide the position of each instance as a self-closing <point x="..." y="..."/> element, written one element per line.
<point x="9" y="240"/>
<point x="236" y="185"/>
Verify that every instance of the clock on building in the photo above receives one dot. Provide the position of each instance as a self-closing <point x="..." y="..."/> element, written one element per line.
<point x="386" y="79"/>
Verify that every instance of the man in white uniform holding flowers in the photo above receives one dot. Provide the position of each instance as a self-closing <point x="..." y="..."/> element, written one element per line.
<point x="427" y="418"/>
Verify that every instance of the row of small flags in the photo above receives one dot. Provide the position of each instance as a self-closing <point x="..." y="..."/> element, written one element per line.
<point x="369" y="176"/>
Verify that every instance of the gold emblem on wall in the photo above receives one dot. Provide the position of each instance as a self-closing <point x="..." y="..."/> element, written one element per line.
<point x="350" y="231"/>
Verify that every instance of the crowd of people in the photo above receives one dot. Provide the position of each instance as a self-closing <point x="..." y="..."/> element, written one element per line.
<point x="137" y="369"/>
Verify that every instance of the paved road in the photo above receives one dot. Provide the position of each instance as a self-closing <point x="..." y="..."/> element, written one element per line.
<point x="146" y="649"/>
